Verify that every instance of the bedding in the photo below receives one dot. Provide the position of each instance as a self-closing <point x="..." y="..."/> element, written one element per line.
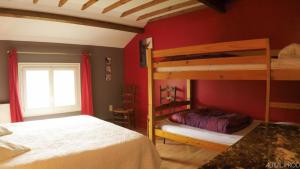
<point x="79" y="142"/>
<point x="290" y="51"/>
<point x="4" y="131"/>
<point x="212" y="119"/>
<point x="10" y="150"/>
<point x="202" y="134"/>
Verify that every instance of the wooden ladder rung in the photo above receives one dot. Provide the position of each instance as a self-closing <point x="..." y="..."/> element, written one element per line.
<point x="282" y="105"/>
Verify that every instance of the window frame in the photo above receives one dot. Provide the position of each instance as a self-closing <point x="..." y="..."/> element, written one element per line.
<point x="23" y="67"/>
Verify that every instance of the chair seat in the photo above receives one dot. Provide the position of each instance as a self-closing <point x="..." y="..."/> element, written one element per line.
<point x="122" y="110"/>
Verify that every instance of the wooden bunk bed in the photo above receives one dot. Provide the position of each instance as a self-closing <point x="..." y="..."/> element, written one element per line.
<point x="239" y="67"/>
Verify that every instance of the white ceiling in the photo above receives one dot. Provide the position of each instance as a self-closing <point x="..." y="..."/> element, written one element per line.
<point x="48" y="31"/>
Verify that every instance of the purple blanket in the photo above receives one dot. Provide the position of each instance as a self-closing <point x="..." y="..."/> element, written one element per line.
<point x="213" y="120"/>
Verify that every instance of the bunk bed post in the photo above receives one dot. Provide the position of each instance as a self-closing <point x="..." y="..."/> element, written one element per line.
<point x="151" y="131"/>
<point x="268" y="80"/>
<point x="188" y="92"/>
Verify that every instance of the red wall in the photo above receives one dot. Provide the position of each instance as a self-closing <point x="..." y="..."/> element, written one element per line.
<point x="246" y="19"/>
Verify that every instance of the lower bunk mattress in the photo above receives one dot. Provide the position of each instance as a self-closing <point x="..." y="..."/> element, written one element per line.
<point x="206" y="135"/>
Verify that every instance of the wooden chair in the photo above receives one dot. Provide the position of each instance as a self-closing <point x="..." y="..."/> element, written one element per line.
<point x="124" y="114"/>
<point x="167" y="94"/>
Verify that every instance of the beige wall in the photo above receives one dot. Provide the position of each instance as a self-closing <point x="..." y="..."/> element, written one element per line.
<point x="3" y="73"/>
<point x="104" y="93"/>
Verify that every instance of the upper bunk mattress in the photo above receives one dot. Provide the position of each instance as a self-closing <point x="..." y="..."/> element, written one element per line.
<point x="202" y="134"/>
<point x="79" y="142"/>
<point x="289" y="63"/>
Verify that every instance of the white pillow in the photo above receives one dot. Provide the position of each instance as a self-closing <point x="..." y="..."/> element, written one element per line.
<point x="9" y="150"/>
<point x="4" y="131"/>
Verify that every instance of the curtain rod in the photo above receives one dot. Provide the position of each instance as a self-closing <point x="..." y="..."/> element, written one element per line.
<point x="46" y="53"/>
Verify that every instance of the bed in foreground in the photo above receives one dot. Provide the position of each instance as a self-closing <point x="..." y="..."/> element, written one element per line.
<point x="79" y="142"/>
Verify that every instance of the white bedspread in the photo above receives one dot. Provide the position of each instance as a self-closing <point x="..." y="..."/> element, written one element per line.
<point x="79" y="142"/>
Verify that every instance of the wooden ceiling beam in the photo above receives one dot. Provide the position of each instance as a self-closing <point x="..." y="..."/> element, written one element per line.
<point x="218" y="5"/>
<point x="35" y="1"/>
<point x="18" y="13"/>
<point x="168" y="9"/>
<point x="88" y="4"/>
<point x="115" y="5"/>
<point x="61" y="3"/>
<point x="141" y="7"/>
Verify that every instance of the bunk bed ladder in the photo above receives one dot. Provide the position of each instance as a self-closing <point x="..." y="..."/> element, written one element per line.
<point x="268" y="81"/>
<point x="270" y="104"/>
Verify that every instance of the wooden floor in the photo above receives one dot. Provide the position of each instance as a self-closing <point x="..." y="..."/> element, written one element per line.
<point x="181" y="156"/>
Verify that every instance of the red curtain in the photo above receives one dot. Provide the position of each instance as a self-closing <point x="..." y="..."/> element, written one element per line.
<point x="86" y="86"/>
<point x="14" y="97"/>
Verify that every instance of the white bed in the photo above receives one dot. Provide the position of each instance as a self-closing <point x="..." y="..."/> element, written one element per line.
<point x="288" y="63"/>
<point x="79" y="142"/>
<point x="202" y="134"/>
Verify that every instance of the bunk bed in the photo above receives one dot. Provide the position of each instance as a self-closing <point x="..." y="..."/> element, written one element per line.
<point x="243" y="60"/>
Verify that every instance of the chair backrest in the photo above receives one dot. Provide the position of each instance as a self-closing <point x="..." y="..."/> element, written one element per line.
<point x="128" y="96"/>
<point x="167" y="94"/>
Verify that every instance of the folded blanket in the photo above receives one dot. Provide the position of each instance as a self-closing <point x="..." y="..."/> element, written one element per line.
<point x="4" y="131"/>
<point x="10" y="150"/>
<point x="213" y="120"/>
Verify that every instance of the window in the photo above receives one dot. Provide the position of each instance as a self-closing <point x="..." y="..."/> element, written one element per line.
<point x="49" y="88"/>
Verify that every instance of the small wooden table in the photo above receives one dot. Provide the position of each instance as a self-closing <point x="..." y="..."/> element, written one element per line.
<point x="267" y="146"/>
